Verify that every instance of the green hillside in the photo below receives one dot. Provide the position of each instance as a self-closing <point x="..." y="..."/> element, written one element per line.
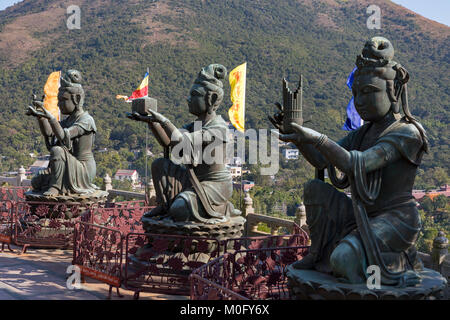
<point x="119" y="39"/>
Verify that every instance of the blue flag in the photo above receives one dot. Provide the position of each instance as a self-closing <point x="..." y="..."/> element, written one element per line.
<point x="353" y="121"/>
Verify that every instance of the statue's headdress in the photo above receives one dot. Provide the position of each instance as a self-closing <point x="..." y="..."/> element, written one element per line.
<point x="72" y="84"/>
<point x="210" y="77"/>
<point x="376" y="57"/>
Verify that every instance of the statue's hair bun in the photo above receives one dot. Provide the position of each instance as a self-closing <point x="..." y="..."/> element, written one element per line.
<point x="220" y="72"/>
<point x="212" y="75"/>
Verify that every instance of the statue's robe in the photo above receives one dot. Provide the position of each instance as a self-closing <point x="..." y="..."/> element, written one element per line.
<point x="173" y="187"/>
<point x="394" y="218"/>
<point x="72" y="166"/>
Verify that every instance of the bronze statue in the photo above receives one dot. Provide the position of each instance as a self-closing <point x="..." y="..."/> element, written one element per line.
<point x="193" y="191"/>
<point x="380" y="224"/>
<point x="72" y="166"/>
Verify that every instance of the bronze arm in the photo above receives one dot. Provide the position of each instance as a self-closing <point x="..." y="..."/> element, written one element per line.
<point x="374" y="158"/>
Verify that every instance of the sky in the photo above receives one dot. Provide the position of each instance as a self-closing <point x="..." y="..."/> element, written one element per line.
<point x="437" y="10"/>
<point x="6" y="3"/>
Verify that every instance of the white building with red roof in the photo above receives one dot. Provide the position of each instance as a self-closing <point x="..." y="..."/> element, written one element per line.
<point x="131" y="175"/>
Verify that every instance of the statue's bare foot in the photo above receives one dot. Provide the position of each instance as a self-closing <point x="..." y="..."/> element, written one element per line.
<point x="51" y="192"/>
<point x="308" y="262"/>
<point x="157" y="211"/>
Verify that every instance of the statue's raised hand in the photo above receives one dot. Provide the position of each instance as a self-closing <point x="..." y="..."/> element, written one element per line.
<point x="302" y="135"/>
<point x="39" y="112"/>
<point x="277" y="119"/>
<point x="36" y="103"/>
<point x="153" y="117"/>
<point x="137" y="116"/>
<point x="157" y="117"/>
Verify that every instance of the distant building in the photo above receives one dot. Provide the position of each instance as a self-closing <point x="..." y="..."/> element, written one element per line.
<point x="444" y="190"/>
<point x="290" y="154"/>
<point x="236" y="171"/>
<point x="131" y="175"/>
<point x="246" y="185"/>
<point x="38" y="165"/>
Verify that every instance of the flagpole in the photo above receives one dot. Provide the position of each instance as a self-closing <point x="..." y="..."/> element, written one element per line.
<point x="240" y="192"/>
<point x="147" y="196"/>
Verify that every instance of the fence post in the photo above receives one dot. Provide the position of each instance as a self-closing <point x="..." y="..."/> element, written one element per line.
<point x="21" y="176"/>
<point x="300" y="215"/>
<point x="151" y="195"/>
<point x="248" y="208"/>
<point x="439" y="251"/>
<point x="108" y="182"/>
<point x="248" y="204"/>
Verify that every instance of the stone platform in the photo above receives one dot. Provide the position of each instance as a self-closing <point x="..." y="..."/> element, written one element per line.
<point x="314" y="285"/>
<point x="85" y="199"/>
<point x="41" y="275"/>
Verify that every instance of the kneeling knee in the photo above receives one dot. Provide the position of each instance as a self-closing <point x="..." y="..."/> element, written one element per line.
<point x="158" y="164"/>
<point x="315" y="191"/>
<point x="347" y="263"/>
<point x="57" y="153"/>
<point x="179" y="210"/>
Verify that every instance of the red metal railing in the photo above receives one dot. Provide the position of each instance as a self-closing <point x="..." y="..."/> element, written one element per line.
<point x="13" y="193"/>
<point x="121" y="204"/>
<point x="211" y="281"/>
<point x="6" y="224"/>
<point x="106" y="228"/>
<point x="97" y="251"/>
<point x="8" y="197"/>
<point x="298" y="238"/>
<point x="163" y="263"/>
<point x="124" y="218"/>
<point x="45" y="224"/>
<point x="255" y="274"/>
<point x="51" y="224"/>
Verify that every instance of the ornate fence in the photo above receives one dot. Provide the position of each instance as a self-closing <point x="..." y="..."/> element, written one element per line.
<point x="51" y="224"/>
<point x="45" y="224"/>
<point x="129" y="204"/>
<point x="97" y="251"/>
<point x="114" y="250"/>
<point x="13" y="193"/>
<point x="6" y="223"/>
<point x="254" y="274"/>
<point x="163" y="263"/>
<point x="99" y="241"/>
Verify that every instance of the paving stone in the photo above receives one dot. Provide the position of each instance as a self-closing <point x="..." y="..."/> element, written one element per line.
<point x="40" y="274"/>
<point x="4" y="295"/>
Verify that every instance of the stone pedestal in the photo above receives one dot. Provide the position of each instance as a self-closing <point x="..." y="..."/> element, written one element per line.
<point x="49" y="221"/>
<point x="234" y="228"/>
<point x="314" y="285"/>
<point x="99" y="196"/>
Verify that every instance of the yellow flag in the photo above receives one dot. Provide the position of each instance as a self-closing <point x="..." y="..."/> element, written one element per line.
<point x="236" y="113"/>
<point x="51" y="94"/>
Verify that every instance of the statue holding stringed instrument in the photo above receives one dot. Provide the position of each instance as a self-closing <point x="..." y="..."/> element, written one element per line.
<point x="380" y="224"/>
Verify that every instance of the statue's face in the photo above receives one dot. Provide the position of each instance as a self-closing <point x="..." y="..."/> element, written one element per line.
<point x="196" y="101"/>
<point x="371" y="98"/>
<point x="65" y="102"/>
